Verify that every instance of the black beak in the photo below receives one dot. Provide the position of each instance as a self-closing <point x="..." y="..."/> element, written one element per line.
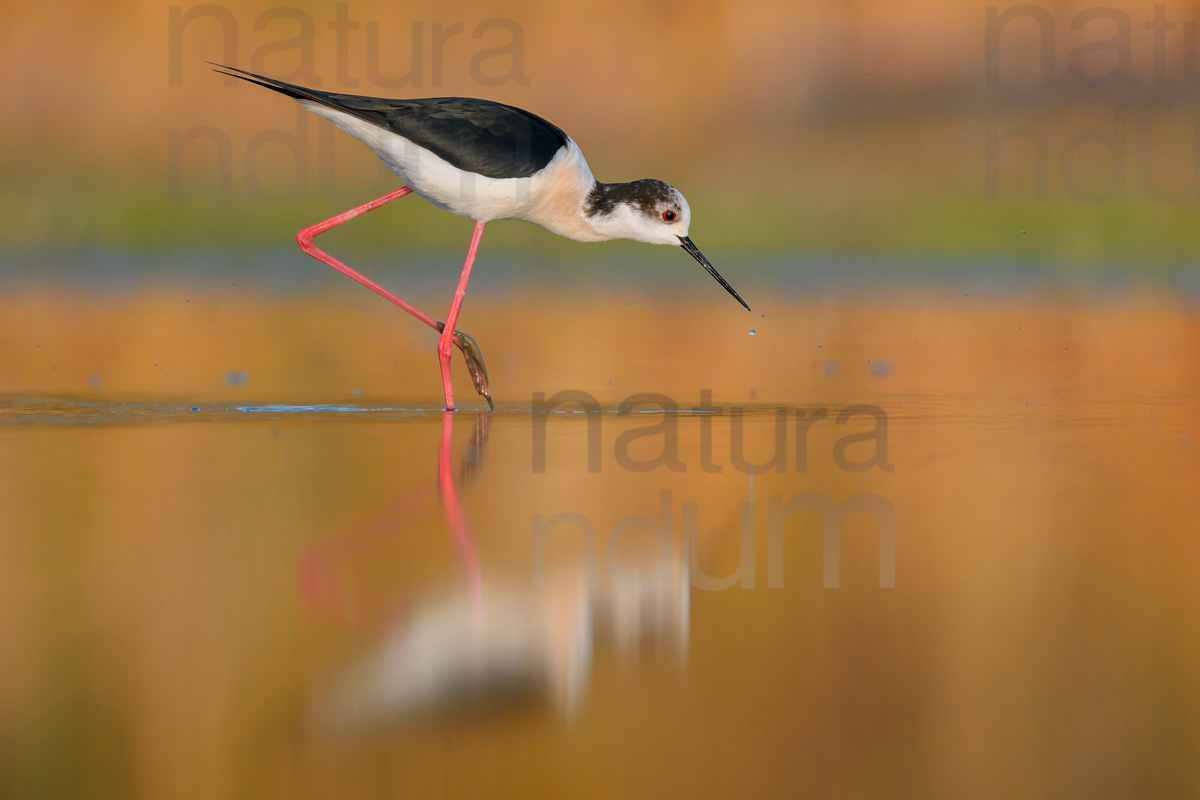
<point x="686" y="244"/>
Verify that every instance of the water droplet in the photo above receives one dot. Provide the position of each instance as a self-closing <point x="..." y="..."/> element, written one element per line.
<point x="753" y="333"/>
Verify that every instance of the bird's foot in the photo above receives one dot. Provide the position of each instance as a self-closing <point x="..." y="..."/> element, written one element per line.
<point x="475" y="363"/>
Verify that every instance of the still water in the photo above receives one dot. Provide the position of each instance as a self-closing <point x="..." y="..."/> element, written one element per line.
<point x="243" y="553"/>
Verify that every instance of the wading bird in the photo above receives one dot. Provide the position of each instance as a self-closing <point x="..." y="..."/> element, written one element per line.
<point x="488" y="161"/>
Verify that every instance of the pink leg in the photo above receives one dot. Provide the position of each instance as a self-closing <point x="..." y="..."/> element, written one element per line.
<point x="305" y="238"/>
<point x="447" y="341"/>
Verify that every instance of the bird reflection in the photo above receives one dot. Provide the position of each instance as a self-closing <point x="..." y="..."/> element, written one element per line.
<point x="473" y="644"/>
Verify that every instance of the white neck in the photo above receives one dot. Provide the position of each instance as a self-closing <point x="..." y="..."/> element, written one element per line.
<point x="563" y="188"/>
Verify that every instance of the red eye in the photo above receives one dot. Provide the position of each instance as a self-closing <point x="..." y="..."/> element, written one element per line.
<point x="668" y="216"/>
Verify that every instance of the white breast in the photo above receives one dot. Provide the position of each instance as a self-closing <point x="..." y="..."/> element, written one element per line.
<point x="552" y="197"/>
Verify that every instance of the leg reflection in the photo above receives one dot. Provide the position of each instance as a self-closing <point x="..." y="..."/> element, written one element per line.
<point x="467" y="645"/>
<point x="455" y="515"/>
<point x="326" y="583"/>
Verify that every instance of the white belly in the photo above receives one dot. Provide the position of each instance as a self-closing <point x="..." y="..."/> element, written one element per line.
<point x="551" y="197"/>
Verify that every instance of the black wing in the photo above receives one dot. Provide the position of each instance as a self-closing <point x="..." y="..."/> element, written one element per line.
<point x="489" y="139"/>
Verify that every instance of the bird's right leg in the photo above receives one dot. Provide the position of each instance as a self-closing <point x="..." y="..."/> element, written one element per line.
<point x="468" y="346"/>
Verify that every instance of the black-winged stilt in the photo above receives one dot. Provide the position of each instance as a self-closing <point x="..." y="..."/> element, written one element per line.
<point x="489" y="161"/>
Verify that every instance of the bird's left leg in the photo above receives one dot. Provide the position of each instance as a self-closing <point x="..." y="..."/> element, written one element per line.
<point x="475" y="363"/>
<point x="468" y="346"/>
<point x="447" y="340"/>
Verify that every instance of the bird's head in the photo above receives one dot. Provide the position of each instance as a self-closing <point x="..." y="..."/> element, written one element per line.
<point x="650" y="211"/>
<point x="646" y="211"/>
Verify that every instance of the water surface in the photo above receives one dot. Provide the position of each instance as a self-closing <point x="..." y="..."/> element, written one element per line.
<point x="309" y="581"/>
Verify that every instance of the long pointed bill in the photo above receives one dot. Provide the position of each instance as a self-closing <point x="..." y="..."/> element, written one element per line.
<point x="686" y="244"/>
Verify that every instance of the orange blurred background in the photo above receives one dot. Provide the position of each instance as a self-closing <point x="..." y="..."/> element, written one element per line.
<point x="827" y="126"/>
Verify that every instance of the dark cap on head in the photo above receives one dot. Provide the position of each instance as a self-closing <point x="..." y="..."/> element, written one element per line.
<point x="647" y="195"/>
